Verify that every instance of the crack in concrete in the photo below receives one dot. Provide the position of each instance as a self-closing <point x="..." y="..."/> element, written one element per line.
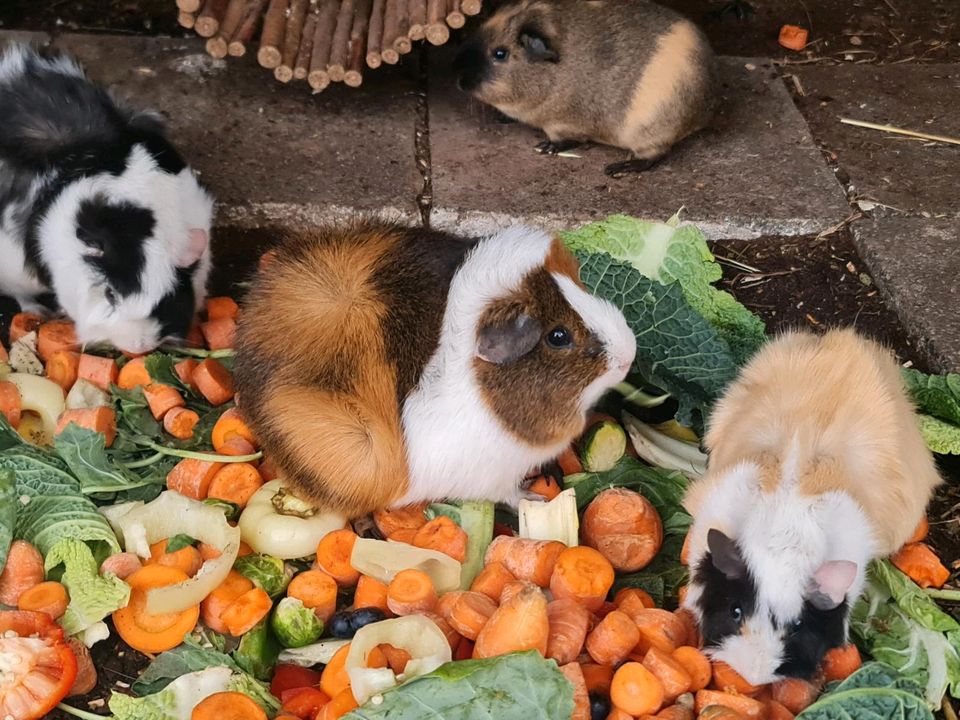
<point x="421" y="138"/>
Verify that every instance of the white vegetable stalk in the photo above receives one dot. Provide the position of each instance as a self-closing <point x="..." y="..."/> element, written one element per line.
<point x="384" y="559"/>
<point x="309" y="655"/>
<point x="84" y="395"/>
<point x="554" y="520"/>
<point x="661" y="450"/>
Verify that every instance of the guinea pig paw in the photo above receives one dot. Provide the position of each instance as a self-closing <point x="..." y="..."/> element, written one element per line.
<point x="629" y="167"/>
<point x="549" y="147"/>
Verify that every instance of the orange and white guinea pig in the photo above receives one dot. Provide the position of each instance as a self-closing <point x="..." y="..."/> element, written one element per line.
<point x="381" y="365"/>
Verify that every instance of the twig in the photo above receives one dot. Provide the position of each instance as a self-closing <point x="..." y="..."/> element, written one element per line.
<point x="217" y="46"/>
<point x="839" y="226"/>
<point x="302" y="64"/>
<point x="736" y="263"/>
<point x="945" y="594"/>
<point x="375" y="35"/>
<point x="208" y="22"/>
<point x="336" y="67"/>
<point x="271" y="37"/>
<point x="322" y="42"/>
<point x="244" y="34"/>
<point x="291" y="40"/>
<point x="948" y="712"/>
<point x="900" y="131"/>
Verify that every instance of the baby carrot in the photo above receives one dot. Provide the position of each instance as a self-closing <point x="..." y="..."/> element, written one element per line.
<point x="527" y="559"/>
<point x="569" y="622"/>
<point x="491" y="579"/>
<point x="62" y="368"/>
<point x="213" y="381"/>
<point x="101" y="419"/>
<point x="180" y="422"/>
<point x="727" y="679"/>
<point x="123" y="565"/>
<point x="443" y="535"/>
<point x="161" y="398"/>
<point x="582" y="574"/>
<point x="49" y="597"/>
<point x="636" y="690"/>
<point x="246" y="611"/>
<point x="671" y="674"/>
<point x="134" y="374"/>
<point x="230" y="425"/>
<point x="518" y="624"/>
<point x="840" y="663"/>
<point x="410" y="517"/>
<point x="99" y="371"/>
<point x="212" y="607"/>
<point x="696" y="664"/>
<point x="470" y="612"/>
<point x="794" y="694"/>
<point x="635" y="597"/>
<point x="581" y="700"/>
<point x="411" y="592"/>
<point x="333" y="556"/>
<point x="317" y="591"/>
<point x="371" y="593"/>
<point x="236" y="483"/>
<point x="192" y="477"/>
<point x="613" y="639"/>
<point x="746" y="706"/>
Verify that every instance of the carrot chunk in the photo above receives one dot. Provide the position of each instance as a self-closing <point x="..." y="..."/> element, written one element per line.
<point x="180" y="422"/>
<point x="213" y="381"/>
<point x="49" y="597"/>
<point x="527" y="559"/>
<point x="636" y="690"/>
<point x="24" y="323"/>
<point x="569" y="462"/>
<point x="101" y="419"/>
<point x="187" y="559"/>
<point x="333" y="556"/>
<point x="99" y="371"/>
<point x="63" y="367"/>
<point x="23" y="570"/>
<point x="411" y="592"/>
<point x="443" y="535"/>
<point x="637" y="598"/>
<point x="746" y="706"/>
<point x="840" y="663"/>
<point x="410" y="517"/>
<point x="794" y="694"/>
<point x="519" y="624"/>
<point x="371" y="593"/>
<point x="569" y="622"/>
<point x="246" y="611"/>
<point x="10" y="403"/>
<point x="123" y="565"/>
<point x="161" y="398"/>
<point x="582" y="574"/>
<point x="334" y="678"/>
<point x="470" y="612"/>
<point x="921" y="564"/>
<point x="184" y="370"/>
<point x="56" y="336"/>
<point x="192" y="477"/>
<point x="491" y="580"/>
<point x="613" y="639"/>
<point x="134" y="374"/>
<point x="659" y="628"/>
<point x="230" y="426"/>
<point x="317" y="591"/>
<point x="545" y="486"/>
<point x="726" y="679"/>
<point x="236" y="483"/>
<point x="581" y="700"/>
<point x="212" y="607"/>
<point x="696" y="664"/>
<point x="228" y="705"/>
<point x="921" y="531"/>
<point x="219" y="334"/>
<point x="793" y="37"/>
<point x="147" y="632"/>
<point x="671" y="674"/>
<point x="219" y="308"/>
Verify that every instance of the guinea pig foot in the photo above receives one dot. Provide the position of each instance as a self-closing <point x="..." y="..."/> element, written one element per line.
<point x="628" y="167"/>
<point x="549" y="147"/>
<point x="739" y="9"/>
<point x="502" y="119"/>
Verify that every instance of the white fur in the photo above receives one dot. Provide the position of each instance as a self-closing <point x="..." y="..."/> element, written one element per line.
<point x="446" y="410"/>
<point x="14" y="59"/>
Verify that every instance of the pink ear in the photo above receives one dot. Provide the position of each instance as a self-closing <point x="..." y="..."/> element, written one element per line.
<point x="196" y="246"/>
<point x="832" y="580"/>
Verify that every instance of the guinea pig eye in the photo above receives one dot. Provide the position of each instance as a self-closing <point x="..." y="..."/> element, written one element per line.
<point x="559" y="338"/>
<point x="500" y="54"/>
<point x="110" y="295"/>
<point x="736" y="613"/>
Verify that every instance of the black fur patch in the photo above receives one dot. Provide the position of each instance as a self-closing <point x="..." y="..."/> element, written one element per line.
<point x="720" y="596"/>
<point x="119" y="231"/>
<point x="471" y="64"/>
<point x="807" y="642"/>
<point x="174" y="312"/>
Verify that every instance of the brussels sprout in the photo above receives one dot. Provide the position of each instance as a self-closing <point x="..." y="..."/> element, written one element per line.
<point x="265" y="571"/>
<point x="294" y="624"/>
<point x="258" y="651"/>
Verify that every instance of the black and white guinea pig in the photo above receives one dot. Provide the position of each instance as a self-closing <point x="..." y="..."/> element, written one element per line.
<point x="99" y="215"/>
<point x="816" y="467"/>
<point x="383" y="365"/>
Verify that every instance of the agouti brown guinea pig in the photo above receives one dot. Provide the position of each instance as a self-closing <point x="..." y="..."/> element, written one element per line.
<point x="381" y="365"/>
<point x="625" y="73"/>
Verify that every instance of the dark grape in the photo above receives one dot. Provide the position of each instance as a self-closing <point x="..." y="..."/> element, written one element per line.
<point x="341" y="626"/>
<point x="365" y="616"/>
<point x="599" y="707"/>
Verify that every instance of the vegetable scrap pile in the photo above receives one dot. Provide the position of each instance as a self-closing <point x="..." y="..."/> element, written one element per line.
<point x="134" y="495"/>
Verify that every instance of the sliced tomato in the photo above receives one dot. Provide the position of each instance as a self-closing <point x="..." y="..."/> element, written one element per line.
<point x="304" y="702"/>
<point x="37" y="672"/>
<point x="27" y="622"/>
<point x="288" y="677"/>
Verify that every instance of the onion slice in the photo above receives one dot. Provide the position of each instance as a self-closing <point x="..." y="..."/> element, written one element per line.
<point x="383" y="559"/>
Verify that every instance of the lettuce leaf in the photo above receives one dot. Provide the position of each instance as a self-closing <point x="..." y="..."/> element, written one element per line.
<point x="92" y="597"/>
<point x="84" y="451"/>
<point x="941" y="437"/>
<point x="936" y="395"/>
<point x="8" y="514"/>
<point x="189" y="657"/>
<point x="669" y="253"/>
<point x="518" y="686"/>
<point x="874" y="692"/>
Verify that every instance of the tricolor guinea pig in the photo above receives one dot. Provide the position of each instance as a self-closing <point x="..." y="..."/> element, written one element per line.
<point x="626" y="73"/>
<point x="816" y="466"/>
<point x="99" y="215"/>
<point x="382" y="365"/>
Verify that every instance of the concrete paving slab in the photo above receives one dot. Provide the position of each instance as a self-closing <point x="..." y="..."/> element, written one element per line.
<point x="272" y="154"/>
<point x="756" y="172"/>
<point x="910" y="175"/>
<point x="916" y="262"/>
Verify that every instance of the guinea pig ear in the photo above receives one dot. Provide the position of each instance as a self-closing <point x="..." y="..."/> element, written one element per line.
<point x="537" y="45"/>
<point x="830" y="583"/>
<point x="725" y="555"/>
<point x="196" y="246"/>
<point x="503" y="343"/>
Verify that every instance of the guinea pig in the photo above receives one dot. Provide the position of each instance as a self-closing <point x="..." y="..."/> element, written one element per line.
<point x="99" y="215"/>
<point x="816" y="466"/>
<point x="382" y="365"/>
<point x="625" y="73"/>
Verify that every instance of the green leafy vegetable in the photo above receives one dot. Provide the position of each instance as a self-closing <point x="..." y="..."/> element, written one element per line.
<point x="476" y="519"/>
<point x="265" y="571"/>
<point x="258" y="651"/>
<point x="669" y="253"/>
<point x="84" y="451"/>
<point x="941" y="437"/>
<point x="936" y="395"/>
<point x="189" y="657"/>
<point x="8" y="514"/>
<point x="8" y="436"/>
<point x="295" y="625"/>
<point x="92" y="597"/>
<point x="231" y="510"/>
<point x="179" y="542"/>
<point x="518" y="686"/>
<point x="871" y="693"/>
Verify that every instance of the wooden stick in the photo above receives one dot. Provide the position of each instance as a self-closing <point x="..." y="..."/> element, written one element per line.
<point x="208" y="22"/>
<point x="336" y="68"/>
<point x="402" y="43"/>
<point x="217" y="46"/>
<point x="901" y="131"/>
<point x="322" y="41"/>
<point x="186" y="19"/>
<point x="470" y="7"/>
<point x="455" y="18"/>
<point x="437" y="31"/>
<point x="301" y="65"/>
<point x="358" y="44"/>
<point x="188" y="6"/>
<point x="271" y="37"/>
<point x="291" y="40"/>
<point x="389" y="53"/>
<point x="237" y="47"/>
<point x="375" y="34"/>
<point x="418" y="19"/>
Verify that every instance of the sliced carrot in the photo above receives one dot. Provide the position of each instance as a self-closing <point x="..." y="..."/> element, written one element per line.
<point x="411" y="592"/>
<point x="334" y="678"/>
<point x="101" y="419"/>
<point x="246" y="611"/>
<point x="446" y="602"/>
<point x="11" y="406"/>
<point x="582" y="574"/>
<point x="153" y="633"/>
<point x="793" y="37"/>
<point x="219" y="334"/>
<point x="746" y="706"/>
<point x="518" y="624"/>
<point x="569" y="462"/>
<point x="545" y="486"/>
<point x="453" y="637"/>
<point x="213" y="381"/>
<point x="212" y="607"/>
<point x="672" y="675"/>
<point x="921" y="564"/>
<point x="24" y="323"/>
<point x="613" y="639"/>
<point x="49" y="597"/>
<point x="443" y="535"/>
<point x="377" y="658"/>
<point x="222" y="307"/>
<point x="123" y="565"/>
<point x="636" y="690"/>
<point x="581" y="700"/>
<point x="236" y="483"/>
<point x="397" y="658"/>
<point x="162" y="398"/>
<point x="921" y="532"/>
<point x="794" y="694"/>
<point x="491" y="579"/>
<point x="134" y="374"/>
<point x="230" y="425"/>
<point x="333" y="556"/>
<point x="228" y="706"/>
<point x="658" y="628"/>
<point x="56" y="336"/>
<point x="569" y="622"/>
<point x="470" y="613"/>
<point x="180" y="422"/>
<point x="696" y="664"/>
<point x="339" y="705"/>
<point x="186" y="559"/>
<point x="776" y="711"/>
<point x="597" y="677"/>
<point x="512" y="588"/>
<point x="370" y="593"/>
<point x="62" y="368"/>
<point x="409" y="517"/>
<point x="637" y="598"/>
<point x="527" y="559"/>
<point x="840" y="663"/>
<point x="184" y="370"/>
<point x="209" y="552"/>
<point x="192" y="477"/>
<point x="727" y="679"/>
<point x="99" y="371"/>
<point x="317" y="591"/>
